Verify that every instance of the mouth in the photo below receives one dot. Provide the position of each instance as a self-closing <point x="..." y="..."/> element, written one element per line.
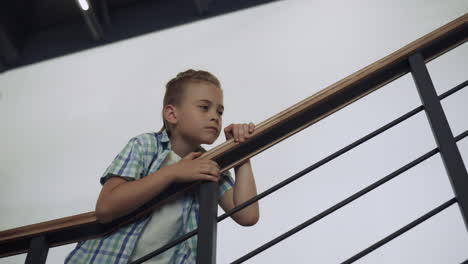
<point x="212" y="129"/>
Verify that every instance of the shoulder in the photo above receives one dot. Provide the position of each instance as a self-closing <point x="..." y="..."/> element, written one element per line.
<point x="150" y="142"/>
<point x="145" y="138"/>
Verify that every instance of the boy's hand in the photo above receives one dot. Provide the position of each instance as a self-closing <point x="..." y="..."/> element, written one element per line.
<point x="189" y="169"/>
<point x="240" y="132"/>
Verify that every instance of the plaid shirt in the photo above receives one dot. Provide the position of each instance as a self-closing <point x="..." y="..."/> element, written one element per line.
<point x="142" y="155"/>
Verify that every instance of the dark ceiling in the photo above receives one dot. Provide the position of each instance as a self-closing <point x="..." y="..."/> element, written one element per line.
<point x="36" y="30"/>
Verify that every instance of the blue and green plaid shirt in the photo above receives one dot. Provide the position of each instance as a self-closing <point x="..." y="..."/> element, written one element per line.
<point x="142" y="155"/>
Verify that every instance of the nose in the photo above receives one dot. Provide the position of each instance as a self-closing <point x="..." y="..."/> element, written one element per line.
<point x="215" y="117"/>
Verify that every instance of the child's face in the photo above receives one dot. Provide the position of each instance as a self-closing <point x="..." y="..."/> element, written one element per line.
<point x="199" y="118"/>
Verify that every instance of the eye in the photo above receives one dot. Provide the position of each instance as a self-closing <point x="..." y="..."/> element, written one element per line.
<point x="220" y="113"/>
<point x="204" y="107"/>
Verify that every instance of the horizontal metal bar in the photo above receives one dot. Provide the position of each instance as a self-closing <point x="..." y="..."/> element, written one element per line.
<point x="337" y="206"/>
<point x="336" y="154"/>
<point x="322" y="162"/>
<point x="461" y="136"/>
<point x="165" y="247"/>
<point x="401" y="231"/>
<point x="344" y="202"/>
<point x="454" y="90"/>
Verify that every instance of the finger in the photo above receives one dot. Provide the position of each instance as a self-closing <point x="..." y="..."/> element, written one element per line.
<point x="236" y="133"/>
<point x="211" y="174"/>
<point x="228" y="131"/>
<point x="241" y="133"/>
<point x="215" y="171"/>
<point x="246" y="131"/>
<point x="206" y="177"/>
<point x="209" y="163"/>
<point x="192" y="155"/>
<point x="212" y="170"/>
<point x="232" y="132"/>
<point x="214" y="163"/>
<point x="251" y="127"/>
<point x="229" y="128"/>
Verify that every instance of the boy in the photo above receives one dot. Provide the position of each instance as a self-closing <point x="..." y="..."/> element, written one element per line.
<point x="192" y="115"/>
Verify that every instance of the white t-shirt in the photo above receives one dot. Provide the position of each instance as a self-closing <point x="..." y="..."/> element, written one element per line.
<point x="164" y="226"/>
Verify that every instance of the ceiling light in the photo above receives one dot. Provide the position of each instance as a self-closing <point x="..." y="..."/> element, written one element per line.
<point x="84" y="4"/>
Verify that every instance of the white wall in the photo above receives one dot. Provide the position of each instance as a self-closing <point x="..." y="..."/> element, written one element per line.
<point x="64" y="120"/>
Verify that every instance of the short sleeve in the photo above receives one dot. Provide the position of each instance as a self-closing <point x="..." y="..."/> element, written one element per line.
<point x="127" y="164"/>
<point x="226" y="182"/>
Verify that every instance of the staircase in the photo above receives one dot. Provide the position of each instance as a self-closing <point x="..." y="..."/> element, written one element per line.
<point x="36" y="239"/>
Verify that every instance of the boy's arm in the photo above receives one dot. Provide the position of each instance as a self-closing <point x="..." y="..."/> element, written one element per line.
<point x="119" y="197"/>
<point x="244" y="189"/>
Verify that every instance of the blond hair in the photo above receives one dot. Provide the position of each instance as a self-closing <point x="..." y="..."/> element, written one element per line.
<point x="176" y="86"/>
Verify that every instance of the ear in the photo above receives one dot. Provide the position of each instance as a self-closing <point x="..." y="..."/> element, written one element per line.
<point x="170" y="114"/>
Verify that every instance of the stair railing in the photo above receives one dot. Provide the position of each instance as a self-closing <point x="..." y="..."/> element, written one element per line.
<point x="38" y="238"/>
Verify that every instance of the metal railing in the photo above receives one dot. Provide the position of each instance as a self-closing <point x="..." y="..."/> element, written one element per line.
<point x="346" y="201"/>
<point x="411" y="58"/>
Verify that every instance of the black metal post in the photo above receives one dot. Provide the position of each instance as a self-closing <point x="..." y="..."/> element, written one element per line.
<point x="38" y="250"/>
<point x="8" y="51"/>
<point x="443" y="135"/>
<point x="93" y="24"/>
<point x="203" y="6"/>
<point x="103" y="12"/>
<point x="207" y="225"/>
<point x="91" y="19"/>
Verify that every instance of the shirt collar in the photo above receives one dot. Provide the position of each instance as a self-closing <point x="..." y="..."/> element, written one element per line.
<point x="200" y="149"/>
<point x="163" y="137"/>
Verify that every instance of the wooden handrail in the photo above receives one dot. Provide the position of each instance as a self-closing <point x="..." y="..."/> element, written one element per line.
<point x="268" y="133"/>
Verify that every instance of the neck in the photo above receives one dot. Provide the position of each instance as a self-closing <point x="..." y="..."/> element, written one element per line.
<point x="181" y="146"/>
